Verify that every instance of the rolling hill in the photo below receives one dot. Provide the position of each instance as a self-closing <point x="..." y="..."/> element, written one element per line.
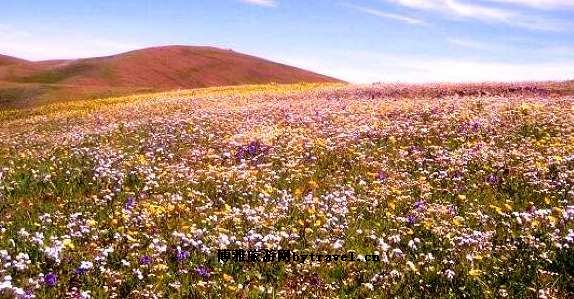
<point x="24" y="83"/>
<point x="6" y="60"/>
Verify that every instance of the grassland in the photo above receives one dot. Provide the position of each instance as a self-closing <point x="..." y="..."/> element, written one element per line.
<point x="464" y="191"/>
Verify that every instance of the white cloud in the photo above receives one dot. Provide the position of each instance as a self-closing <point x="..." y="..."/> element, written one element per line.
<point x="268" y="3"/>
<point x="386" y="15"/>
<point x="451" y="70"/>
<point x="43" y="46"/>
<point x="542" y="4"/>
<point x="456" y="8"/>
<point x="368" y="67"/>
<point x="491" y="14"/>
<point x="470" y="44"/>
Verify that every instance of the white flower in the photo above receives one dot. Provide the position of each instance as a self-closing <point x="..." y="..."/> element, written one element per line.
<point x="86" y="265"/>
<point x="23" y="233"/>
<point x="395" y="239"/>
<point x="449" y="274"/>
<point x="395" y="274"/>
<point x="412" y="245"/>
<point x="223" y="240"/>
<point x="38" y="239"/>
<point x="138" y="274"/>
<point x="5" y="285"/>
<point x="21" y="261"/>
<point x="53" y="252"/>
<point x="397" y="253"/>
<point x="338" y="244"/>
<point x="383" y="246"/>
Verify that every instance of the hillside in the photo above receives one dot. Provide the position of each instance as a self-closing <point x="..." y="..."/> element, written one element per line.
<point x="151" y="69"/>
<point x="6" y="60"/>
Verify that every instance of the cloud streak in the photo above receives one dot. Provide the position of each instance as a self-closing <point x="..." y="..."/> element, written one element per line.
<point x="267" y="3"/>
<point x="469" y="44"/>
<point x="539" y="4"/>
<point x="386" y="15"/>
<point x="455" y="8"/>
<point x="489" y="14"/>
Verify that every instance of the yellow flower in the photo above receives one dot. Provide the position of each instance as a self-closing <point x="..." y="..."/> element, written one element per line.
<point x="553" y="220"/>
<point x="142" y="159"/>
<point x="320" y="142"/>
<point x="474" y="272"/>
<point x="412" y="266"/>
<point x="298" y="192"/>
<point x="497" y="209"/>
<point x="535" y="223"/>
<point x="557" y="211"/>
<point x="458" y="220"/>
<point x="508" y="207"/>
<point x="68" y="244"/>
<point x="313" y="185"/>
<point x="160" y="267"/>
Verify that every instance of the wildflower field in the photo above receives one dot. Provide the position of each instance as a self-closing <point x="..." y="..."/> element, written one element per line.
<point x="462" y="190"/>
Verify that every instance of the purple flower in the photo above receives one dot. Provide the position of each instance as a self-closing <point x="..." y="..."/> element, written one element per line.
<point x="84" y="267"/>
<point x="181" y="255"/>
<point x="145" y="260"/>
<point x="129" y="203"/>
<point x="419" y="204"/>
<point x="475" y="126"/>
<point x="411" y="220"/>
<point x="202" y="271"/>
<point x="382" y="176"/>
<point x="51" y="279"/>
<point x="493" y="179"/>
<point x="240" y="154"/>
<point x="452" y="210"/>
<point x="253" y="148"/>
<point x="315" y="281"/>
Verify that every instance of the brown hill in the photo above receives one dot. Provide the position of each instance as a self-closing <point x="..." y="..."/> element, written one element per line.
<point x="6" y="60"/>
<point x="153" y="69"/>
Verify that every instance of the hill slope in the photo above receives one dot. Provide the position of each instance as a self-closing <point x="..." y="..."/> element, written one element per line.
<point x="151" y="69"/>
<point x="6" y="60"/>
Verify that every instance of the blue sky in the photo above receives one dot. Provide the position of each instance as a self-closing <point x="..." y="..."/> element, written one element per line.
<point x="357" y="40"/>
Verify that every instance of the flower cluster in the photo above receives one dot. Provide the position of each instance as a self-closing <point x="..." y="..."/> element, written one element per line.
<point x="462" y="190"/>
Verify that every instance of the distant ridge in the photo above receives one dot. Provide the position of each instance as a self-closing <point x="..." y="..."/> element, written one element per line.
<point x="6" y="60"/>
<point x="150" y="69"/>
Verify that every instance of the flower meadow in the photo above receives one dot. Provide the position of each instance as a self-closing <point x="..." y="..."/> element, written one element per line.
<point x="464" y="191"/>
